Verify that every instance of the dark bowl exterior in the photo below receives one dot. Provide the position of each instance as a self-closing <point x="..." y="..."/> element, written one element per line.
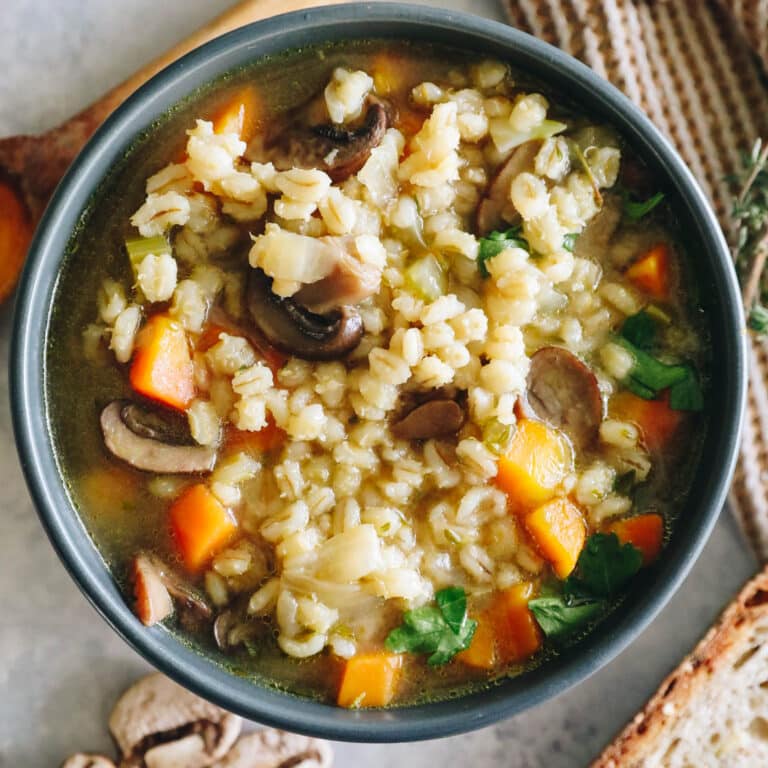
<point x="718" y="294"/>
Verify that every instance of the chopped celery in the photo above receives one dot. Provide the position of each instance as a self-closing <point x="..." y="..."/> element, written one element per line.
<point x="496" y="436"/>
<point x="140" y="247"/>
<point x="595" y="136"/>
<point x="506" y="138"/>
<point x="426" y="278"/>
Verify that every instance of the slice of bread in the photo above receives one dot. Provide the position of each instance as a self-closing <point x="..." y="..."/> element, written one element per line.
<point x="713" y="709"/>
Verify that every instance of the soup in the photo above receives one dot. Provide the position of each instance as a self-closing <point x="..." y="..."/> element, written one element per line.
<point x="376" y="372"/>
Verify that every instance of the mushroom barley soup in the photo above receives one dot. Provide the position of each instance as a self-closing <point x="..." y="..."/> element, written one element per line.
<point x="377" y="367"/>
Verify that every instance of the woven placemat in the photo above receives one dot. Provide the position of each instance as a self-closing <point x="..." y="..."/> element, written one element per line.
<point x="700" y="71"/>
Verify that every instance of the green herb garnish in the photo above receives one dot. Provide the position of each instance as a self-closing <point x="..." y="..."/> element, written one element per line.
<point x="494" y="243"/>
<point x="649" y="376"/>
<point x="640" y="330"/>
<point x="605" y="565"/>
<point x="569" y="241"/>
<point x="636" y="210"/>
<point x="441" y="631"/>
<point x="557" y="619"/>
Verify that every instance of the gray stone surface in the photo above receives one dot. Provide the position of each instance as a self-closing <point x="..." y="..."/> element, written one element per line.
<point x="61" y="667"/>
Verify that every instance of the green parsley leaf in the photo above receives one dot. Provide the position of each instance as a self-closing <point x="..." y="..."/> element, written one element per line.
<point x="686" y="395"/>
<point x="605" y="565"/>
<point x="649" y="376"/>
<point x="452" y="602"/>
<point x="557" y="619"/>
<point x="441" y="631"/>
<point x="640" y="330"/>
<point x="494" y="243"/>
<point x="636" y="210"/>
<point x="569" y="241"/>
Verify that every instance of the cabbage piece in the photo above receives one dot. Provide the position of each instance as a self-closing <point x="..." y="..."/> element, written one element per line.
<point x="506" y="138"/>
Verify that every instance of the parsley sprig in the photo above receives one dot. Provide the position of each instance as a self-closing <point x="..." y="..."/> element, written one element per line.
<point x="604" y="567"/>
<point x="441" y="631"/>
<point x="494" y="243"/>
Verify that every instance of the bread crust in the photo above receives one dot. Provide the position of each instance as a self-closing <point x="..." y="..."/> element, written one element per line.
<point x="679" y="689"/>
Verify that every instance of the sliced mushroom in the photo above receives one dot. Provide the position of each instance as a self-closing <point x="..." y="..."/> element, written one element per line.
<point x="496" y="209"/>
<point x="83" y="760"/>
<point x="294" y="329"/>
<point x="153" y="600"/>
<point x="564" y="392"/>
<point x="155" y="583"/>
<point x="435" y="418"/>
<point x="350" y="282"/>
<point x="271" y="748"/>
<point x="159" y="724"/>
<point x="148" y="453"/>
<point x="339" y="151"/>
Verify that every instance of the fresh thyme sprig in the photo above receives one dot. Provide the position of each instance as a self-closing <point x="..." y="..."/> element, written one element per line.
<point x="750" y="213"/>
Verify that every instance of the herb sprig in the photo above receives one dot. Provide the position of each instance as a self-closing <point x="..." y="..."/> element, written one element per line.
<point x="605" y="565"/>
<point x="750" y="249"/>
<point x="441" y="631"/>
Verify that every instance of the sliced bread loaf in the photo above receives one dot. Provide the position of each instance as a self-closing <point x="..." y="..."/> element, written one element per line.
<point x="713" y="709"/>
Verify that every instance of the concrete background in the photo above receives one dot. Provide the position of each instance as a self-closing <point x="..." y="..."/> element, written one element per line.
<point x="61" y="667"/>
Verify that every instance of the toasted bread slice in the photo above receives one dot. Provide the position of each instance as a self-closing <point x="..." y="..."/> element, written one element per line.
<point x="713" y="709"/>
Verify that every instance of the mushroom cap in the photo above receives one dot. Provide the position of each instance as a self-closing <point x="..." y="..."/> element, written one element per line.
<point x="271" y="748"/>
<point x="435" y="418"/>
<point x="155" y="713"/>
<point x="495" y="204"/>
<point x="149" y="453"/>
<point x="563" y="391"/>
<point x="84" y="760"/>
<point x="297" y="331"/>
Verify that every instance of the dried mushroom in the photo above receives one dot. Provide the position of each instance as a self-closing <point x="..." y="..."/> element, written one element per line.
<point x="277" y="749"/>
<point x="84" y="760"/>
<point x="136" y="436"/>
<point x="158" y="724"/>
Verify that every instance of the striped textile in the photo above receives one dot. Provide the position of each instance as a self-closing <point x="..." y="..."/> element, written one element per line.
<point x="699" y="69"/>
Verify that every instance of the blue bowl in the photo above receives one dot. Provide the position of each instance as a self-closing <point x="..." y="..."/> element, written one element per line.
<point x="719" y="299"/>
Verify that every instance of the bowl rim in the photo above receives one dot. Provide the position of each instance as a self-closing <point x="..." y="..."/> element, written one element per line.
<point x="30" y="409"/>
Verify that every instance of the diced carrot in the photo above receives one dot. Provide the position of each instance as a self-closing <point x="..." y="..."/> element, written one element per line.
<point x="153" y="601"/>
<point x="651" y="272"/>
<point x="481" y="654"/>
<point x="538" y="459"/>
<point x="240" y="115"/>
<point x="201" y="525"/>
<point x="656" y="420"/>
<point x="518" y="633"/>
<point x="162" y="365"/>
<point x="559" y="531"/>
<point x="15" y="235"/>
<point x="507" y="632"/>
<point x="646" y="532"/>
<point x="265" y="440"/>
<point x="369" y="680"/>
